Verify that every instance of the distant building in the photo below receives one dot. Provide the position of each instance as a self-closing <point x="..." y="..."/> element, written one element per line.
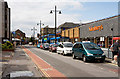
<point x="20" y="35"/>
<point x="66" y="25"/>
<point x="4" y="21"/>
<point x="46" y="30"/>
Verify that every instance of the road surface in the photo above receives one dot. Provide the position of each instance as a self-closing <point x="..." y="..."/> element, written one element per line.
<point x="74" y="67"/>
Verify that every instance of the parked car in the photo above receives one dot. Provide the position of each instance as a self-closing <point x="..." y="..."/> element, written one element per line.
<point x="53" y="47"/>
<point x="88" y="51"/>
<point x="46" y="46"/>
<point x="41" y="45"/>
<point x="65" y="48"/>
<point x="38" y="45"/>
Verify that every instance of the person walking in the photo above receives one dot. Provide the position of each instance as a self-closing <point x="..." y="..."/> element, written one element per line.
<point x="118" y="58"/>
<point x="115" y="49"/>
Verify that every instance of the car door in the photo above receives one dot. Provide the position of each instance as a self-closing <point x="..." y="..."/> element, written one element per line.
<point x="80" y="50"/>
<point x="58" y="48"/>
<point x="61" y="48"/>
<point x="75" y="49"/>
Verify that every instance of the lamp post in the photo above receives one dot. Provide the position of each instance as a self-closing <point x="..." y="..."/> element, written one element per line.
<point x="55" y="18"/>
<point x="33" y="33"/>
<point x="40" y="27"/>
<point x="112" y="34"/>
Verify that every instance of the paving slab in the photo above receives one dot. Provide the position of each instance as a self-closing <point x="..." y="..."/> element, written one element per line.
<point x="19" y="62"/>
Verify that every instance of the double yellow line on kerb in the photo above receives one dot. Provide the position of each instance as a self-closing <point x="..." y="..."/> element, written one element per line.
<point x="46" y="75"/>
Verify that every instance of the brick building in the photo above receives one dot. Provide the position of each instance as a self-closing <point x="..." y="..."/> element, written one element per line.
<point x="46" y="30"/>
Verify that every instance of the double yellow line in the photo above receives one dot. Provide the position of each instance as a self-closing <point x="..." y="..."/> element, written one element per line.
<point x="46" y="75"/>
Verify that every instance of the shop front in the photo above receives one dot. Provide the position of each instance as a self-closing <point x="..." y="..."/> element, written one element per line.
<point x="101" y="32"/>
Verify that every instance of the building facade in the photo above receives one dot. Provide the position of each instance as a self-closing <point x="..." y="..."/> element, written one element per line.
<point x="4" y="21"/>
<point x="19" y="34"/>
<point x="73" y="34"/>
<point x="65" y="26"/>
<point x="101" y="31"/>
<point x="47" y="30"/>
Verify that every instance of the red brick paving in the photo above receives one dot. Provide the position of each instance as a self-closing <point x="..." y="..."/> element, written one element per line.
<point x="47" y="69"/>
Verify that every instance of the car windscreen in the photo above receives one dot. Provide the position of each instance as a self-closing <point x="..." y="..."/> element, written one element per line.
<point x="55" y="45"/>
<point x="91" y="46"/>
<point x="68" y="45"/>
<point x="46" y="44"/>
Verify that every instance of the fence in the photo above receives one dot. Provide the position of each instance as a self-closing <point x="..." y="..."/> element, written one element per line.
<point x="107" y="52"/>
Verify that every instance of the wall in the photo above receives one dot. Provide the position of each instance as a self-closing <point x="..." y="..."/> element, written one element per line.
<point x="66" y="33"/>
<point x="0" y="21"/>
<point x="63" y="34"/>
<point x="71" y="33"/>
<point x="76" y="32"/>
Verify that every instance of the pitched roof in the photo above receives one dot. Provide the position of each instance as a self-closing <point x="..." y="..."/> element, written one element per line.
<point x="69" y="25"/>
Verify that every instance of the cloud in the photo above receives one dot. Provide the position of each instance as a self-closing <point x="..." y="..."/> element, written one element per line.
<point x="26" y="15"/>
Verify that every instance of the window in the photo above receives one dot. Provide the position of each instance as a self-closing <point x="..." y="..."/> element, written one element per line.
<point x="80" y="46"/>
<point x="61" y="46"/>
<point x="75" y="46"/>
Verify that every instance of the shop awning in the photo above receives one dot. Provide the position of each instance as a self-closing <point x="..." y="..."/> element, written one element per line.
<point x="54" y="38"/>
<point x="15" y="39"/>
<point x="116" y="38"/>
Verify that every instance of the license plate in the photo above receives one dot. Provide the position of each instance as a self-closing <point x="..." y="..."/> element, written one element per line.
<point x="97" y="57"/>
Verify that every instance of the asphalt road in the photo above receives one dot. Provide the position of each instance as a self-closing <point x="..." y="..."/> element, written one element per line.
<point x="75" y="67"/>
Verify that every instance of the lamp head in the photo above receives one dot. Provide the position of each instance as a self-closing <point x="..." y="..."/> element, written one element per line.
<point x="51" y="12"/>
<point x="60" y="12"/>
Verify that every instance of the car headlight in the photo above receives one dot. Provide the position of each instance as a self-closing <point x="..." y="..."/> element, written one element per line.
<point x="103" y="54"/>
<point x="89" y="54"/>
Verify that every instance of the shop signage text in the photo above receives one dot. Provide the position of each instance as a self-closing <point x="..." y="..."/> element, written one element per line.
<point x="96" y="28"/>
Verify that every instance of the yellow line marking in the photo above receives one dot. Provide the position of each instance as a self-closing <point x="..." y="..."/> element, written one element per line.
<point x="38" y="66"/>
<point x="111" y="64"/>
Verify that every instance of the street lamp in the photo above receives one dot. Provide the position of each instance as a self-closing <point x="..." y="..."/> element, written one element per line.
<point x="112" y="34"/>
<point x="40" y="27"/>
<point x="55" y="18"/>
<point x="33" y="32"/>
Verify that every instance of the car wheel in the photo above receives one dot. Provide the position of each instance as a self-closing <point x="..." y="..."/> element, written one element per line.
<point x="63" y="53"/>
<point x="51" y="50"/>
<point x="57" y="52"/>
<point x="102" y="60"/>
<point x="84" y="58"/>
<point x="74" y="57"/>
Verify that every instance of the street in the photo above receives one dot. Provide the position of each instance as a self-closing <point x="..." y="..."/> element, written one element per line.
<point x="75" y="67"/>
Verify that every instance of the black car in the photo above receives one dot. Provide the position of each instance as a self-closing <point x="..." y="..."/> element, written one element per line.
<point x="46" y="46"/>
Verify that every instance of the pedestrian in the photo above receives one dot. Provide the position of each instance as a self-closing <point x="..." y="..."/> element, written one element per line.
<point x="115" y="49"/>
<point x="111" y="48"/>
<point x="118" y="58"/>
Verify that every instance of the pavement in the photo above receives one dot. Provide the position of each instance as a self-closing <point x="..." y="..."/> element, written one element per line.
<point x="18" y="61"/>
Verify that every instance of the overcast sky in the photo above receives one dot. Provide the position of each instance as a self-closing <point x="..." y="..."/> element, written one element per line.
<point x="25" y="14"/>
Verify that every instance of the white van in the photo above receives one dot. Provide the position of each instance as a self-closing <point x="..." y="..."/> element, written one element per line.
<point x="65" y="48"/>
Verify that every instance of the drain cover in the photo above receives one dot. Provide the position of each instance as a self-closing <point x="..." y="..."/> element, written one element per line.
<point x="20" y="74"/>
